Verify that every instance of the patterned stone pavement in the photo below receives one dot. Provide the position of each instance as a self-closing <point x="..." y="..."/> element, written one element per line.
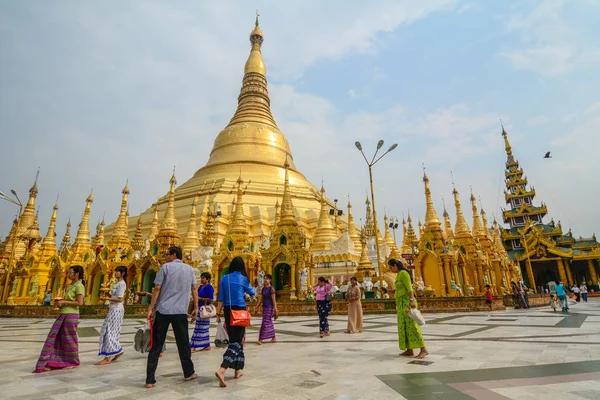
<point x="513" y="354"/>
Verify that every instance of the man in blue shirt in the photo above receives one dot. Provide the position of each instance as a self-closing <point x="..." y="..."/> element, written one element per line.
<point x="562" y="296"/>
<point x="169" y="306"/>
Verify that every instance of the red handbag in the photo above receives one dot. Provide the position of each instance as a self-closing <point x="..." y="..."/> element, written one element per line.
<point x="238" y="317"/>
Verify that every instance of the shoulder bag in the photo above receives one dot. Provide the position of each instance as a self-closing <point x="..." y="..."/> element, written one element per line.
<point x="237" y="317"/>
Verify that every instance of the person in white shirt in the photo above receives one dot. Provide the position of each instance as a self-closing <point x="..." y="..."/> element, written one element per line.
<point x="576" y="292"/>
<point x="584" y="292"/>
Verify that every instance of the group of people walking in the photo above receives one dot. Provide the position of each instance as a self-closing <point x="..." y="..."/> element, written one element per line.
<point x="174" y="283"/>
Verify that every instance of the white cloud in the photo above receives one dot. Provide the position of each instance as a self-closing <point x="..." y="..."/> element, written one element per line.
<point x="550" y="45"/>
<point x="352" y="94"/>
<point x="539" y="120"/>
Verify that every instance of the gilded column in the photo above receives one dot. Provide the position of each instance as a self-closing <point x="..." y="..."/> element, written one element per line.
<point x="476" y="273"/>
<point x="448" y="275"/>
<point x="444" y="285"/>
<point x="530" y="275"/>
<point x="561" y="271"/>
<point x="592" y="270"/>
<point x="569" y="276"/>
<point x="294" y="268"/>
<point x="463" y="284"/>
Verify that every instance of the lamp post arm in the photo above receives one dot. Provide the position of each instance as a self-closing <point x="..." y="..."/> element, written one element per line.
<point x="365" y="157"/>
<point x="380" y="157"/>
<point x="375" y="155"/>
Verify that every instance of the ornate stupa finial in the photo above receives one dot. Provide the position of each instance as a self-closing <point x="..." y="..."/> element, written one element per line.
<point x="460" y="228"/>
<point x="432" y="220"/>
<point x="66" y="240"/>
<point x="138" y="239"/>
<point x="477" y="228"/>
<point x="82" y="240"/>
<point x="238" y="222"/>
<point x="167" y="232"/>
<point x="325" y="231"/>
<point x="191" y="240"/>
<point x="448" y="232"/>
<point x="507" y="147"/>
<point x="120" y="236"/>
<point x="28" y="215"/>
<point x="352" y="231"/>
<point x="287" y="207"/>
<point x="49" y="242"/>
<point x="154" y="227"/>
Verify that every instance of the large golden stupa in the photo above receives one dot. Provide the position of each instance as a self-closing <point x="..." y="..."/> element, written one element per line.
<point x="250" y="146"/>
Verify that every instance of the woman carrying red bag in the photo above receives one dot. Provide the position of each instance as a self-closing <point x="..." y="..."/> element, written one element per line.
<point x="232" y="288"/>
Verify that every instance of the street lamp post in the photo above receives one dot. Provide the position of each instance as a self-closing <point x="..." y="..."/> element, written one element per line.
<point x="14" y="244"/>
<point x="370" y="165"/>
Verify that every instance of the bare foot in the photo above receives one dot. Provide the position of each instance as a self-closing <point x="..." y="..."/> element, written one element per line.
<point x="161" y="354"/>
<point x="326" y="333"/>
<point x="408" y="352"/>
<point x="104" y="361"/>
<point x="193" y="350"/>
<point x="206" y="349"/>
<point x="221" y="378"/>
<point x="238" y="374"/>
<point x="321" y="335"/>
<point x="46" y="369"/>
<point x="259" y="342"/>
<point x="273" y="340"/>
<point x="422" y="354"/>
<point x="149" y="385"/>
<point x="115" y="358"/>
<point x="347" y="332"/>
<point x="71" y="367"/>
<point x="191" y="377"/>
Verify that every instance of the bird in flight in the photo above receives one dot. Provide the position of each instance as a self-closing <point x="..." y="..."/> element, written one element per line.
<point x="547" y="155"/>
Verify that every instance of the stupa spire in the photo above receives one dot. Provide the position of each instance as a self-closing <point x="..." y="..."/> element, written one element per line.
<point x="477" y="228"/>
<point x="448" y="232"/>
<point x="82" y="240"/>
<point x="238" y="221"/>
<point x="138" y="239"/>
<point x="120" y="237"/>
<point x="49" y="242"/>
<point x="432" y="220"/>
<point x="507" y="147"/>
<point x="66" y="240"/>
<point x="190" y="240"/>
<point x="352" y="232"/>
<point x="325" y="231"/>
<point x="154" y="227"/>
<point x="169" y="222"/>
<point x="28" y="214"/>
<point x="460" y="227"/>
<point x="287" y="208"/>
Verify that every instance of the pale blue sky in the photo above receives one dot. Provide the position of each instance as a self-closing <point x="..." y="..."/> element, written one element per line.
<point x="98" y="92"/>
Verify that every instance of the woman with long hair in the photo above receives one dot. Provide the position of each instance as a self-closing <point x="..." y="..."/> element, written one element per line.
<point x="201" y="338"/>
<point x="322" y="289"/>
<point x="61" y="349"/>
<point x="355" y="312"/>
<point x="409" y="333"/>
<point x="111" y="328"/>
<point x="232" y="289"/>
<point x="269" y="311"/>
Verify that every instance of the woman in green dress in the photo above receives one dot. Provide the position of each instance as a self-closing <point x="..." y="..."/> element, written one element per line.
<point x="409" y="333"/>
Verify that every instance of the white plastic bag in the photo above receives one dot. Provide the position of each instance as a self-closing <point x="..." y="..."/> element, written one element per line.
<point x="416" y="316"/>
<point x="222" y="338"/>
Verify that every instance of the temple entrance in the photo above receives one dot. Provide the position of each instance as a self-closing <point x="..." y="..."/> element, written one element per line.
<point x="148" y="284"/>
<point x="544" y="272"/>
<point x="97" y="280"/>
<point x="282" y="280"/>
<point x="581" y="272"/>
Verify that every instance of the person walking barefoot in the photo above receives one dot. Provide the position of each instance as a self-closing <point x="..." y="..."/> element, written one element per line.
<point x="269" y="311"/>
<point x="111" y="328"/>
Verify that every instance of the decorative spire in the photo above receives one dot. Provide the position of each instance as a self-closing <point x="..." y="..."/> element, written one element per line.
<point x="277" y="216"/>
<point x="120" y="237"/>
<point x="369" y="226"/>
<point x="138" y="239"/>
<point x="287" y="208"/>
<point x="190" y="240"/>
<point x="432" y="220"/>
<point x="352" y="232"/>
<point x="387" y="237"/>
<point x="82" y="240"/>
<point x="410" y="238"/>
<point x="28" y="214"/>
<point x="325" y="231"/>
<point x="448" y="233"/>
<point x="421" y="228"/>
<point x="365" y="266"/>
<point x="49" y="242"/>
<point x="485" y="228"/>
<point x="154" y="227"/>
<point x="460" y="228"/>
<point x="169" y="223"/>
<point x="238" y="221"/>
<point x="507" y="147"/>
<point x="66" y="241"/>
<point x="477" y="228"/>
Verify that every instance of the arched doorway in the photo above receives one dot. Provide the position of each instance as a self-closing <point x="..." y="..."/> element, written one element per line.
<point x="148" y="284"/>
<point x="282" y="279"/>
<point x="98" y="279"/>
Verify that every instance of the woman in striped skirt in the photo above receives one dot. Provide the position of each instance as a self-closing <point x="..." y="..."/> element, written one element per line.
<point x="269" y="311"/>
<point x="201" y="338"/>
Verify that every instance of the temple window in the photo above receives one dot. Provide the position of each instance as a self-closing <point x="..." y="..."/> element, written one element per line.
<point x="516" y="202"/>
<point x="282" y="240"/>
<point x="527" y="200"/>
<point x="230" y="245"/>
<point x="519" y="221"/>
<point x="516" y="244"/>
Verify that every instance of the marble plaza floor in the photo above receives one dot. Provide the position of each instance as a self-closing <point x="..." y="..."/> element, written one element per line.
<point x="513" y="354"/>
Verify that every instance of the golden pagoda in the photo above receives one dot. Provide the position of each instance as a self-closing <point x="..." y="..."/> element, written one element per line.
<point x="253" y="144"/>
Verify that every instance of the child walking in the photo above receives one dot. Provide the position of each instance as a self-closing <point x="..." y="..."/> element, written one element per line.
<point x="488" y="296"/>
